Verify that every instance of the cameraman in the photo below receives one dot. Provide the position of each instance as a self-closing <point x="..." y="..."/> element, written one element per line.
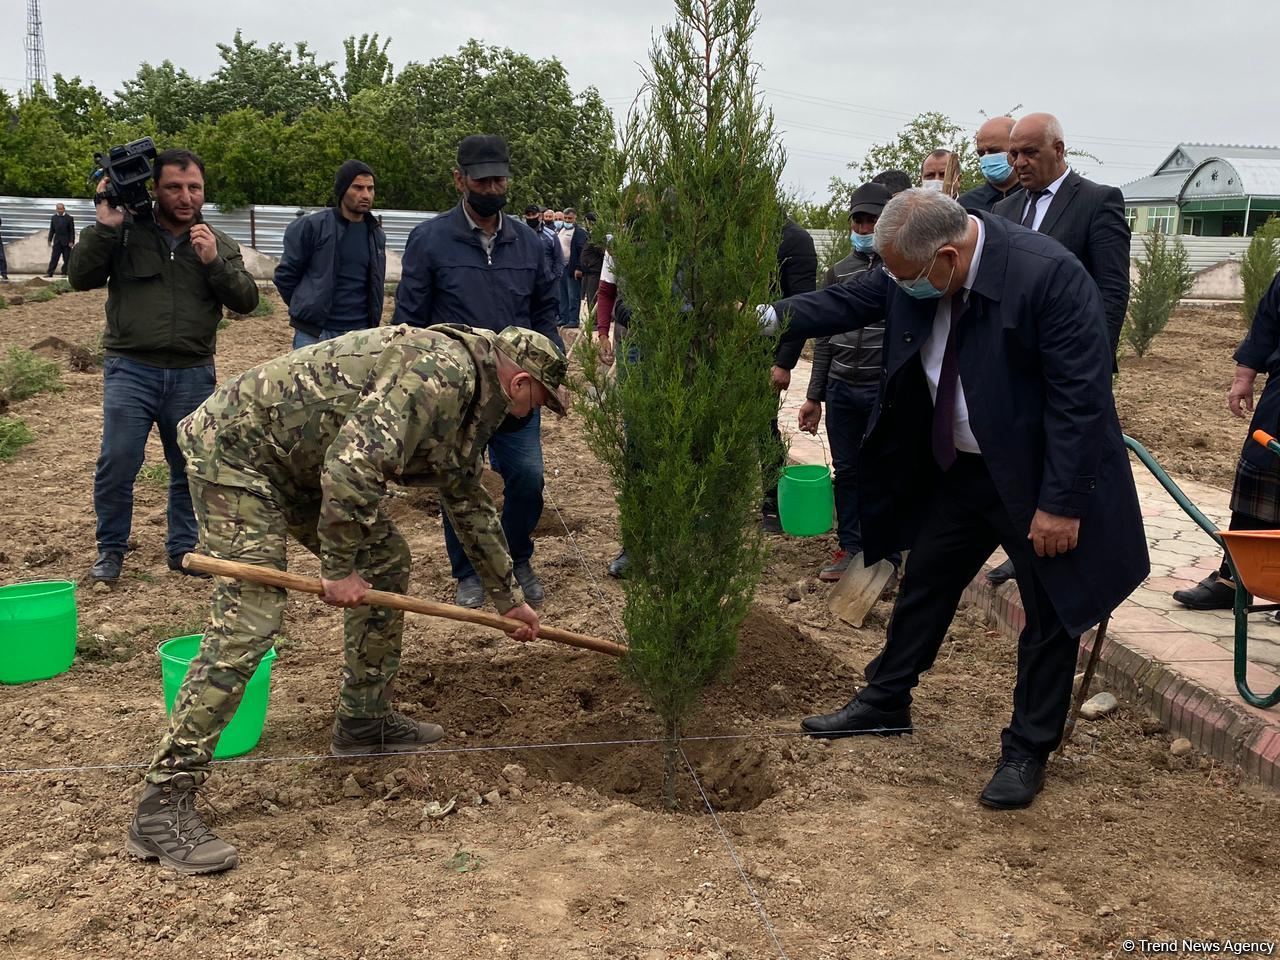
<point x="168" y="276"/>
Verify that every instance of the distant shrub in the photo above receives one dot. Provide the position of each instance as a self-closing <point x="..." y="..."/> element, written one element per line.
<point x="24" y="375"/>
<point x="14" y="435"/>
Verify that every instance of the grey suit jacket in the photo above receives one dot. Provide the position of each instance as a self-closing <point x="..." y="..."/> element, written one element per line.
<point x="1088" y="219"/>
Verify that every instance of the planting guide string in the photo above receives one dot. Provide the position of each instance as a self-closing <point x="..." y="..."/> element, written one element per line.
<point x="733" y="854"/>
<point x="742" y="874"/>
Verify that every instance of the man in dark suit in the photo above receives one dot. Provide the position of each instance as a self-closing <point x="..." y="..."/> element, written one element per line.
<point x="991" y="144"/>
<point x="797" y="273"/>
<point x="1085" y="217"/>
<point x="996" y="426"/>
<point x="62" y="237"/>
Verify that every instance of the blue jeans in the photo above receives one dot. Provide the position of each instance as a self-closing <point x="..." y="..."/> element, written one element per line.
<point x="570" y="299"/>
<point x="849" y="407"/>
<point x="517" y="457"/>
<point x="304" y="339"/>
<point x="136" y="397"/>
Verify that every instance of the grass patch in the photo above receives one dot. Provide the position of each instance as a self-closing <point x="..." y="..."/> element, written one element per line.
<point x="156" y="474"/>
<point x="14" y="435"/>
<point x="43" y="295"/>
<point x="24" y="375"/>
<point x="264" y="308"/>
<point x="60" y="286"/>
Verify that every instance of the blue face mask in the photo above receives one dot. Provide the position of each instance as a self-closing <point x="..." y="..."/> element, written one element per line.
<point x="995" y="167"/>
<point x="862" y="242"/>
<point x="920" y="288"/>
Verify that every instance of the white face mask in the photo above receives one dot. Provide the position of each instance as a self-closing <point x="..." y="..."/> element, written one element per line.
<point x="932" y="185"/>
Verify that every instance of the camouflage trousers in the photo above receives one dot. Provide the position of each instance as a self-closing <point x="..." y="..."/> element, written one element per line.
<point x="246" y="620"/>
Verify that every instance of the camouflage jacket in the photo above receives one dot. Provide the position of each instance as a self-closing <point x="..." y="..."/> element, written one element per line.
<point x="336" y="421"/>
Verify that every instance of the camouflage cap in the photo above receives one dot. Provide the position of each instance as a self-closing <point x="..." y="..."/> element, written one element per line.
<point x="537" y="356"/>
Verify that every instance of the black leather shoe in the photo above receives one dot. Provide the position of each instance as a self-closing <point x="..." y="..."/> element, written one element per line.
<point x="1001" y="573"/>
<point x="1014" y="785"/>
<point x="108" y="566"/>
<point x="618" y="566"/>
<point x="770" y="523"/>
<point x="856" y="718"/>
<point x="1211" y="593"/>
<point x="530" y="585"/>
<point x="175" y="564"/>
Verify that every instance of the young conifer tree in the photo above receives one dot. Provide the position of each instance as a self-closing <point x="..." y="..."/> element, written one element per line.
<point x="684" y="429"/>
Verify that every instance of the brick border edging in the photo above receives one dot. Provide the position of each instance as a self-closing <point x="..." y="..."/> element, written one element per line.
<point x="1218" y="728"/>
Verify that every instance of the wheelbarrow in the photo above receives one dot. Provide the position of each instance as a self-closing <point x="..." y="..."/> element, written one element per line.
<point x="1253" y="557"/>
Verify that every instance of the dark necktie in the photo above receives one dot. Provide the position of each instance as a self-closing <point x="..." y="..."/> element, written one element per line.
<point x="1029" y="221"/>
<point x="944" y="404"/>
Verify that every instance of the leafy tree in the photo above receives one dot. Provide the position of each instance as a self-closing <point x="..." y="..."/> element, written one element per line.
<point x="241" y="151"/>
<point x="928" y="132"/>
<point x="368" y="65"/>
<point x="1164" y="278"/>
<point x="39" y="158"/>
<point x="270" y="79"/>
<point x="695" y="238"/>
<point x="1259" y="265"/>
<point x="166" y="97"/>
<point x="82" y="110"/>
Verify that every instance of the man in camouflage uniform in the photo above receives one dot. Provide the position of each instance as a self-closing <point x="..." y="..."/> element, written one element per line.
<point x="304" y="446"/>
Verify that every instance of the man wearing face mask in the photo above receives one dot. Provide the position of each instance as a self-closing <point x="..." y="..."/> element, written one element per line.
<point x="992" y="148"/>
<point x="846" y="376"/>
<point x="933" y="172"/>
<point x="572" y="239"/>
<point x="533" y="220"/>
<point x="996" y="426"/>
<point x="477" y="267"/>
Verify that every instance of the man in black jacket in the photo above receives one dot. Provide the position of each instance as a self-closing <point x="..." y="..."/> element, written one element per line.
<point x="168" y="280"/>
<point x="797" y="273"/>
<point x="992" y="148"/>
<point x="4" y="265"/>
<point x="996" y="426"/>
<point x="477" y="267"/>
<point x="334" y="267"/>
<point x="62" y="237"/>
<point x="1085" y="217"/>
<point x="591" y="264"/>
<point x="846" y="376"/>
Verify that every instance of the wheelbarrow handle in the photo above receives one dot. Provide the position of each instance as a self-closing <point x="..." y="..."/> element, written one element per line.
<point x="292" y="581"/>
<point x="1267" y="440"/>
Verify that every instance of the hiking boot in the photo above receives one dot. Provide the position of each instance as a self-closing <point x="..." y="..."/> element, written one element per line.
<point x="394" y="733"/>
<point x="618" y="566"/>
<point x="108" y="566"/>
<point x="175" y="564"/>
<point x="470" y="593"/>
<point x="834" y="570"/>
<point x="530" y="584"/>
<point x="166" y="827"/>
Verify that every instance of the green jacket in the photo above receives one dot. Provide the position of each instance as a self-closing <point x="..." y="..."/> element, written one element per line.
<point x="163" y="306"/>
<point x="333" y="423"/>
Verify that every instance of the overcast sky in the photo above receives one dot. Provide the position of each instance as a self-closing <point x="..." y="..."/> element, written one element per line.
<point x="1128" y="78"/>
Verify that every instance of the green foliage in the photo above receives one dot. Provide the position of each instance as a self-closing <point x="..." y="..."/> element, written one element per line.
<point x="264" y="308"/>
<point x="683" y="430"/>
<point x="156" y="475"/>
<point x="43" y="295"/>
<point x="1259" y="265"/>
<point x="24" y="375"/>
<point x="14" y="435"/>
<point x="60" y="286"/>
<point x="273" y="123"/>
<point x="368" y="65"/>
<point x="927" y="132"/>
<point x="1164" y="278"/>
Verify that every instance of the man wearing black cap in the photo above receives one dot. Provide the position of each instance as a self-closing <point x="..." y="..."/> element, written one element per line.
<point x="335" y="263"/>
<point x="846" y="376"/>
<point x="477" y="267"/>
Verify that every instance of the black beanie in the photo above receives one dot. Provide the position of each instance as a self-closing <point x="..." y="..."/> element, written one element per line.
<point x="346" y="173"/>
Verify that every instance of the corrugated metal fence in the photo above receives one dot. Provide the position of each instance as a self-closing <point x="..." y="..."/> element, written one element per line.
<point x="260" y="227"/>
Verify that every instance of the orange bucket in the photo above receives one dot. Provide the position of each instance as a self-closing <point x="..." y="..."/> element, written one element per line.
<point x="1256" y="554"/>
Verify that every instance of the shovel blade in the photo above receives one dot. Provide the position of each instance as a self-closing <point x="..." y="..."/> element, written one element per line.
<point x="857" y="591"/>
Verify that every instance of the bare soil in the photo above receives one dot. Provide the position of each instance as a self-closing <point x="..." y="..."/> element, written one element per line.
<point x="862" y="848"/>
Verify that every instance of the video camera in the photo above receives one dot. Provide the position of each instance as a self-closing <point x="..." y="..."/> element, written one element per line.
<point x="129" y="169"/>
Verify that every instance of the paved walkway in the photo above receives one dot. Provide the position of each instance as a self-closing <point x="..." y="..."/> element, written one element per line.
<point x="1178" y="663"/>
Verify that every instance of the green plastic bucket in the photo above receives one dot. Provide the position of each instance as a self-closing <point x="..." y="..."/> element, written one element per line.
<point x="245" y="729"/>
<point x="806" y="500"/>
<point x="37" y="630"/>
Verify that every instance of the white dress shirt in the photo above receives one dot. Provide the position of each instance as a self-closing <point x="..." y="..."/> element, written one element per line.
<point x="932" y="350"/>
<point x="1043" y="201"/>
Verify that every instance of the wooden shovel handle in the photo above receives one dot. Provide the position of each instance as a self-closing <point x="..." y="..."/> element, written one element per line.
<point x="381" y="598"/>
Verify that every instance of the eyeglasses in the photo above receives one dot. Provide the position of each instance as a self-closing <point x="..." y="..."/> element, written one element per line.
<point x="906" y="283"/>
